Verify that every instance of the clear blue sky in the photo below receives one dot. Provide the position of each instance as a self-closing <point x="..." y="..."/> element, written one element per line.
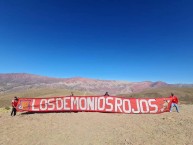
<point x="134" y="40"/>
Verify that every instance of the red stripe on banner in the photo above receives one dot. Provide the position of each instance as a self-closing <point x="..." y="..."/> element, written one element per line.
<point x="95" y="104"/>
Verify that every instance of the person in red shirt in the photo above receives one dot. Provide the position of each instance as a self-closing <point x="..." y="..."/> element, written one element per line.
<point x="14" y="105"/>
<point x="174" y="102"/>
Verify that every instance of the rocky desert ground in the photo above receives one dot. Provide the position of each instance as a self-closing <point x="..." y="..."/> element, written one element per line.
<point x="86" y="128"/>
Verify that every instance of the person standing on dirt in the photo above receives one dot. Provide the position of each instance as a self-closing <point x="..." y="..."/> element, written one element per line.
<point x="174" y="102"/>
<point x="14" y="105"/>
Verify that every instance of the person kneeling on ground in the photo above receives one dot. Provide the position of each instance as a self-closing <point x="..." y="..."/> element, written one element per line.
<point x="174" y="102"/>
<point x="14" y="105"/>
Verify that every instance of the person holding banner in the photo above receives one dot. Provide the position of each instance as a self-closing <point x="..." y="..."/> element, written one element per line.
<point x="174" y="102"/>
<point x="14" y="105"/>
<point x="106" y="94"/>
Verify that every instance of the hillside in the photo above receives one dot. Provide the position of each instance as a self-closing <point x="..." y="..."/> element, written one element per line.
<point x="185" y="94"/>
<point x="21" y="82"/>
<point x="28" y="85"/>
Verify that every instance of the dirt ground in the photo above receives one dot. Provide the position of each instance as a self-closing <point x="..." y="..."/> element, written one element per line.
<point x="85" y="128"/>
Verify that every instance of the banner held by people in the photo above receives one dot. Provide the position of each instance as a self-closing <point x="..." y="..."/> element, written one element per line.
<point x="110" y="104"/>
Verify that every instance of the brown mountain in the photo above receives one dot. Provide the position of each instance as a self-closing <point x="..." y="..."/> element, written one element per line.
<point x="21" y="81"/>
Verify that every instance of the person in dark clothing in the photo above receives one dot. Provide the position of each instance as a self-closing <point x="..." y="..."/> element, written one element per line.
<point x="106" y="94"/>
<point x="14" y="105"/>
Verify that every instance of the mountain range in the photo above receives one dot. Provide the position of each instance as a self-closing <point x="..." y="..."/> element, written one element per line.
<point x="12" y="82"/>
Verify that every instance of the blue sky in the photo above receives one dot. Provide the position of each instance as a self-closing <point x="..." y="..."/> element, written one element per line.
<point x="104" y="39"/>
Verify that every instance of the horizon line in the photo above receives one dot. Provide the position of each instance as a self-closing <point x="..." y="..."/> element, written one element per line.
<point x="41" y="75"/>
